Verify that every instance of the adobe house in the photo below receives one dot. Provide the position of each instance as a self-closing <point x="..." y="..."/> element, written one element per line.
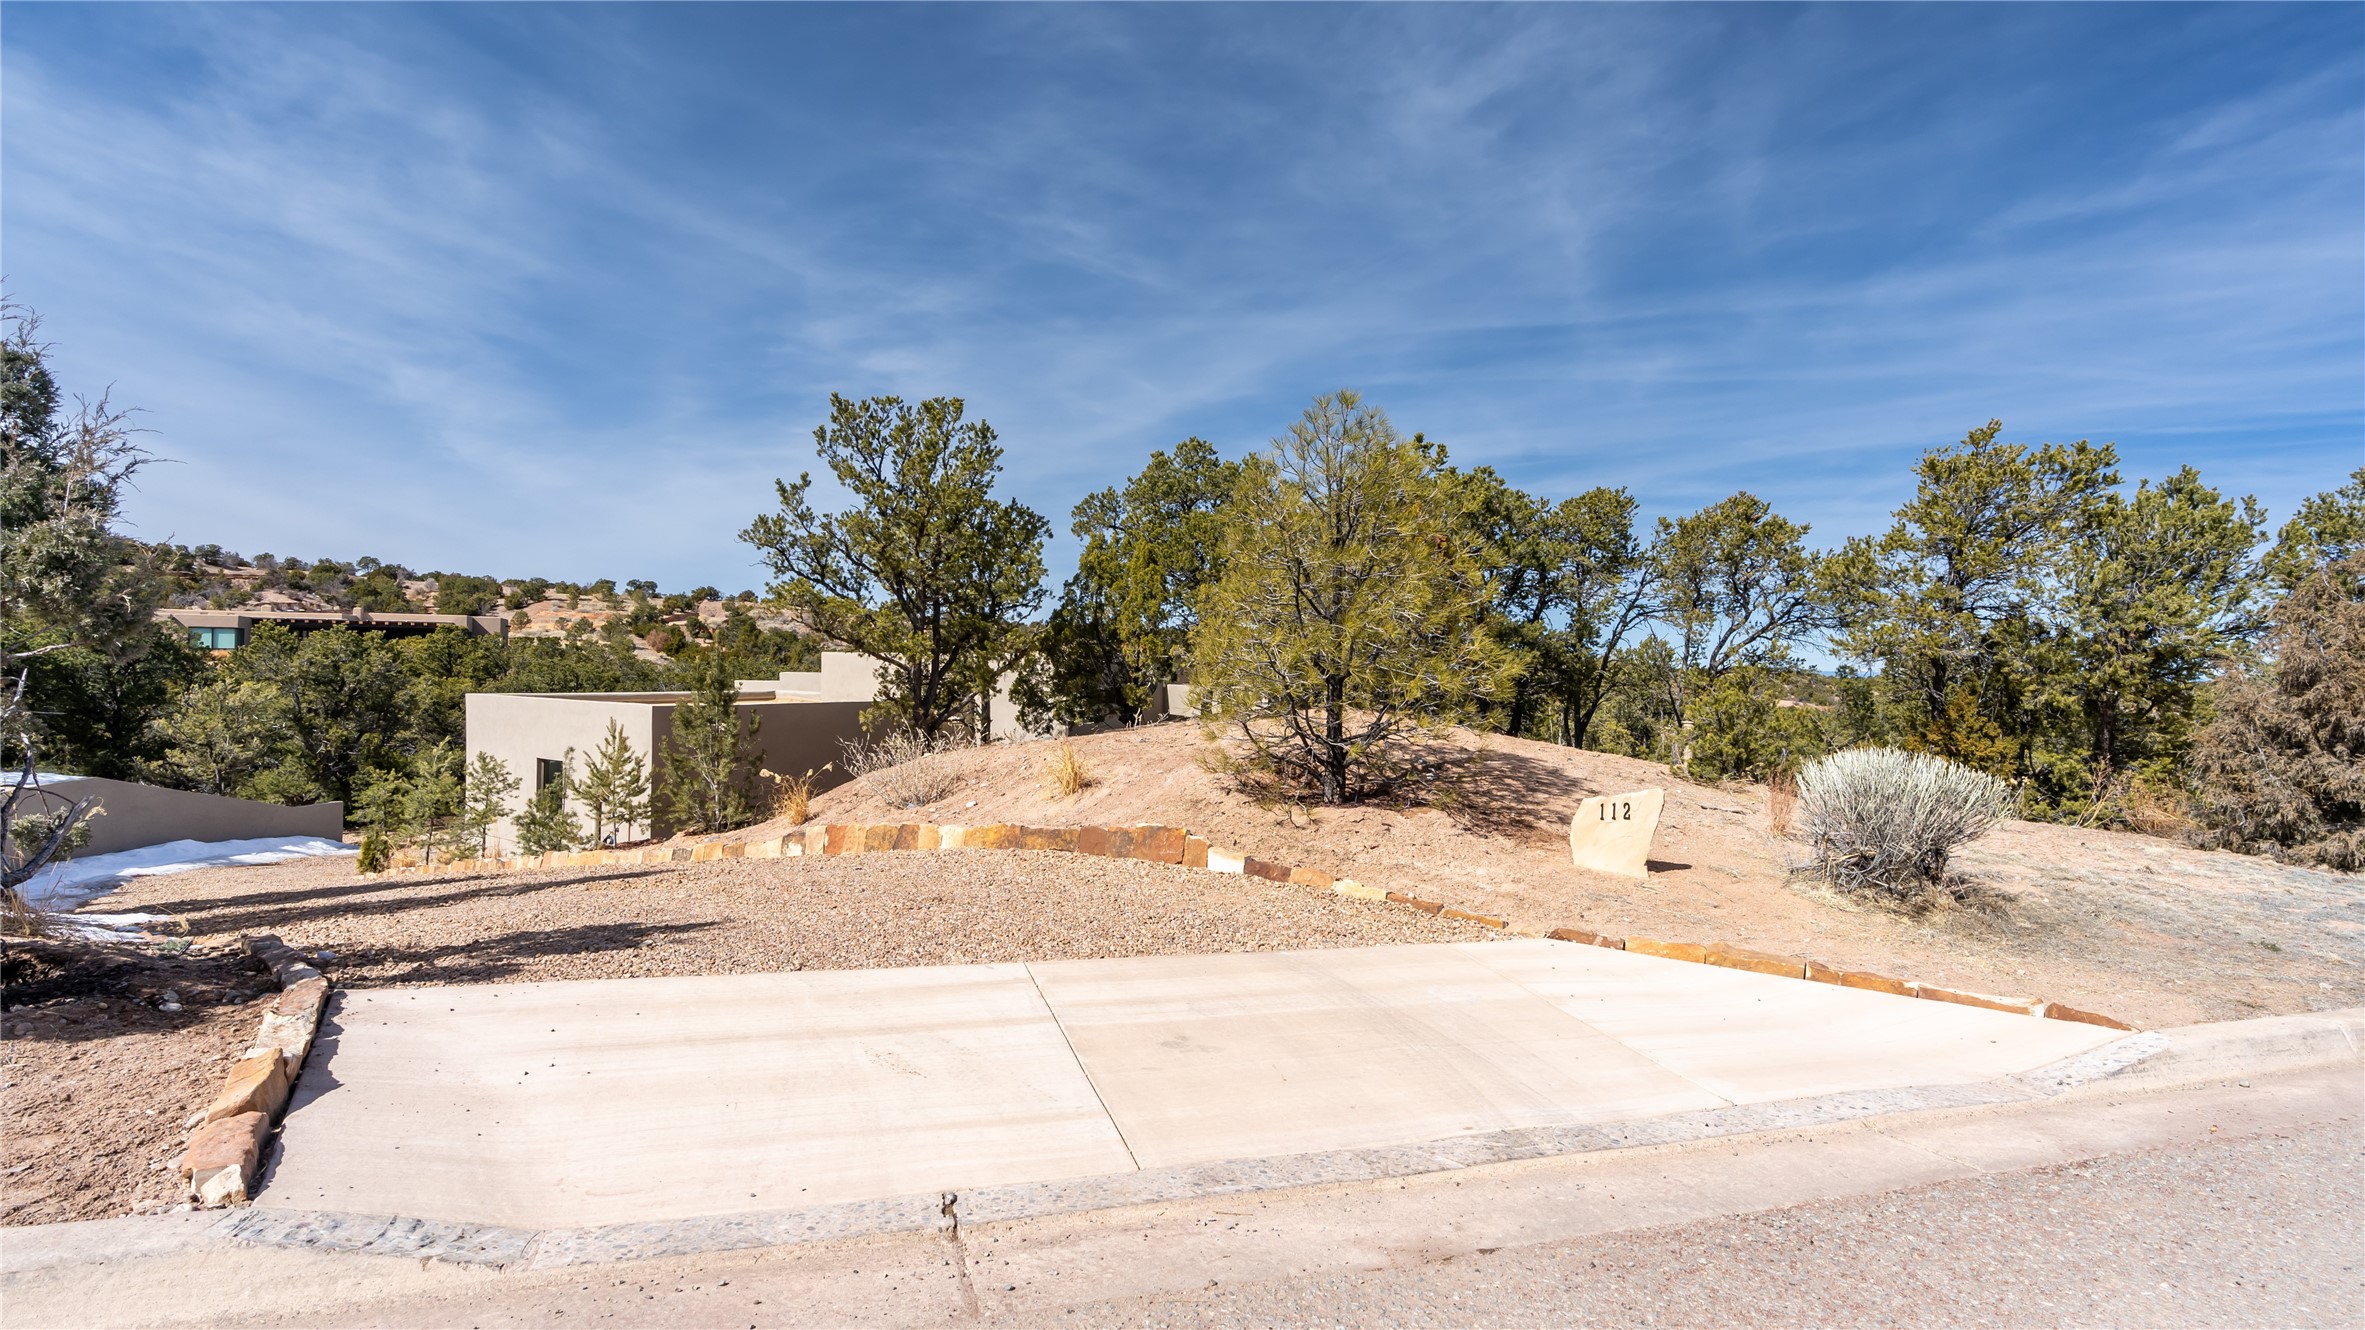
<point x="803" y="721"/>
<point x="533" y="733"/>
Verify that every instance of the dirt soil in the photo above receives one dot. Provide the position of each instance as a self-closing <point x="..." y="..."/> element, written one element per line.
<point x="2148" y="930"/>
<point x="96" y="1080"/>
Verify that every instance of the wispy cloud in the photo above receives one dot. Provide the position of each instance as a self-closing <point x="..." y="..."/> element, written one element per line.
<point x="562" y="289"/>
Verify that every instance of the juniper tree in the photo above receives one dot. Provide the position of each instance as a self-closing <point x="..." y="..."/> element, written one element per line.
<point x="1943" y="600"/>
<point x="1568" y="583"/>
<point x="1738" y="589"/>
<point x="1122" y="626"/>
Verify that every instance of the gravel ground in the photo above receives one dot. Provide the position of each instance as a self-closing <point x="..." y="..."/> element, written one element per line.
<point x="2262" y="1232"/>
<point x="737" y="916"/>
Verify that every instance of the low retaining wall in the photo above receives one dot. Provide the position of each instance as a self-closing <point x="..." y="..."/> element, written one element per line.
<point x="1174" y="845"/>
<point x="225" y="1156"/>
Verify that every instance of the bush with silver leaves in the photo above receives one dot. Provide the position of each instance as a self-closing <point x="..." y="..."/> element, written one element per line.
<point x="1881" y="822"/>
<point x="905" y="769"/>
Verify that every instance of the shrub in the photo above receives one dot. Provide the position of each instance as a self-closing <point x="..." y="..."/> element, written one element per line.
<point x="376" y="854"/>
<point x="2281" y="768"/>
<point x="1741" y="730"/>
<point x="1066" y="770"/>
<point x="1881" y="822"/>
<point x="905" y="768"/>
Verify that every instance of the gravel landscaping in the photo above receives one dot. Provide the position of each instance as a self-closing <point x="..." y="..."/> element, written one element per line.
<point x="736" y="916"/>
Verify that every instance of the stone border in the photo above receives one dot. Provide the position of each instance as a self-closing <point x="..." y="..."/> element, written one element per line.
<point x="225" y="1156"/>
<point x="1158" y="844"/>
<point x="501" y="1246"/>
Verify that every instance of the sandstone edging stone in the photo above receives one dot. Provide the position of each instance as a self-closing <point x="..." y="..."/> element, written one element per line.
<point x="1155" y="843"/>
<point x="224" y="1159"/>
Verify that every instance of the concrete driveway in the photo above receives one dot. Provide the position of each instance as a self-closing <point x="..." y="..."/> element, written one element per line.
<point x="607" y="1102"/>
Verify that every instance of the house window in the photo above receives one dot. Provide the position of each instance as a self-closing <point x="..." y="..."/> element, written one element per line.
<point x="213" y="639"/>
<point x="548" y="770"/>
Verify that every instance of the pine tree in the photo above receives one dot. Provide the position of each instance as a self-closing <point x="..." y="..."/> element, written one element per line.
<point x="1350" y="615"/>
<point x="547" y="823"/>
<point x="614" y="788"/>
<point x="489" y="787"/>
<point x="431" y="799"/>
<point x="711" y="755"/>
<point x="930" y="574"/>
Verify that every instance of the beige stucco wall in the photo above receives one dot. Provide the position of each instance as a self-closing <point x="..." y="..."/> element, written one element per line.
<point x="792" y="737"/>
<point x="519" y="728"/>
<point x="138" y="815"/>
<point x="850" y="676"/>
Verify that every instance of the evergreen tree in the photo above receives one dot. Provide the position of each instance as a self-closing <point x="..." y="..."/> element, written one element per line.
<point x="1738" y="589"/>
<point x="432" y="799"/>
<point x="1123" y="623"/>
<point x="1568" y="584"/>
<point x="547" y="823"/>
<point x="489" y="787"/>
<point x="220" y="737"/>
<point x="614" y="788"/>
<point x="928" y="573"/>
<point x="2328" y="531"/>
<point x="1944" y="602"/>
<point x="2281" y="766"/>
<point x="77" y="599"/>
<point x="1350" y="615"/>
<point x="2155" y="587"/>
<point x="710" y="757"/>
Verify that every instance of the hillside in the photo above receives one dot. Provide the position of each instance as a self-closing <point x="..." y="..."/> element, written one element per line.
<point x="2145" y="929"/>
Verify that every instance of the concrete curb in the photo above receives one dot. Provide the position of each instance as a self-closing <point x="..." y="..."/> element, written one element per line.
<point x="224" y="1159"/>
<point x="1155" y="843"/>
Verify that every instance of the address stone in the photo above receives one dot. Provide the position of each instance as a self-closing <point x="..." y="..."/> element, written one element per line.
<point x="1611" y="833"/>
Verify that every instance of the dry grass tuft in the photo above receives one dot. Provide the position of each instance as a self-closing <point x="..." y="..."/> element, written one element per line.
<point x="1781" y="802"/>
<point x="1066" y="770"/>
<point x="792" y="796"/>
<point x="905" y="769"/>
<point x="18" y="917"/>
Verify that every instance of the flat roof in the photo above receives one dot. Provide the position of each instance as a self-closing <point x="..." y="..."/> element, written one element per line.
<point x="653" y="699"/>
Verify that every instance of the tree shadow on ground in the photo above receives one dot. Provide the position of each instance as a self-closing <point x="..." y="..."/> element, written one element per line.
<point x="263" y="911"/>
<point x="67" y="990"/>
<point x="494" y="959"/>
<point x="1515" y="795"/>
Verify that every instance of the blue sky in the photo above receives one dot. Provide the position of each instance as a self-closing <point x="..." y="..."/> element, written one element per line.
<point x="559" y="290"/>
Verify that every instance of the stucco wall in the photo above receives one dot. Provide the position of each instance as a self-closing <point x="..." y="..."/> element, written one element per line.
<point x="519" y="728"/>
<point x="138" y="815"/>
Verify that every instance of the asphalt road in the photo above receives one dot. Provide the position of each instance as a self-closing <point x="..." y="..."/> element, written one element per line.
<point x="2268" y="1231"/>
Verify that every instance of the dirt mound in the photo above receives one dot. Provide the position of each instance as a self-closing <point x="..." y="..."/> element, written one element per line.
<point x="2147" y="930"/>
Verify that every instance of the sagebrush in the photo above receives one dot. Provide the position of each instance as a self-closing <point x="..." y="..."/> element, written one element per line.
<point x="905" y="768"/>
<point x="1880" y="822"/>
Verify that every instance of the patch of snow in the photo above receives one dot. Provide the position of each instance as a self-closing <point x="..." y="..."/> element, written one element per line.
<point x="68" y="885"/>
